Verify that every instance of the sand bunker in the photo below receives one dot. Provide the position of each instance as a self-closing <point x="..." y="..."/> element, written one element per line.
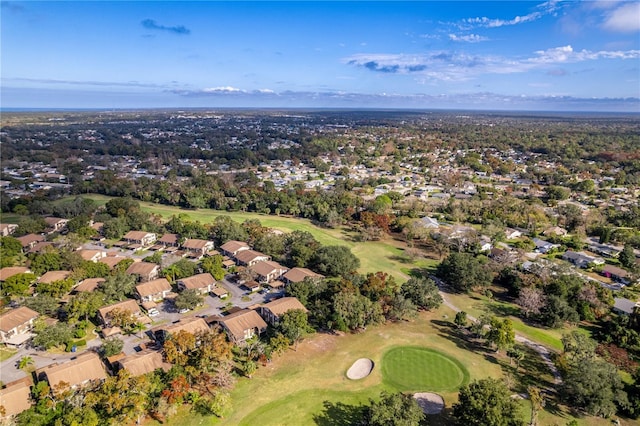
<point x="360" y="369"/>
<point x="431" y="403"/>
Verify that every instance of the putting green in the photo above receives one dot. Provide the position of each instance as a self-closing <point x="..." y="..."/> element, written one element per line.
<point x="415" y="369"/>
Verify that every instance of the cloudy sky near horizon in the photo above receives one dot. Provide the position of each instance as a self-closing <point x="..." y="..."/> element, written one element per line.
<point x="578" y="55"/>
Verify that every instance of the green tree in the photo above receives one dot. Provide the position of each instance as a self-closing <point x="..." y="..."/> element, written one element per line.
<point x="486" y="402"/>
<point x="463" y="272"/>
<point x="188" y="299"/>
<point x="394" y="409"/>
<point x="10" y="250"/>
<point x="627" y="257"/>
<point x="354" y="311"/>
<point x="43" y="304"/>
<point x="84" y="305"/>
<point x="111" y="346"/>
<point x="423" y="292"/>
<point x="294" y="324"/>
<point x="44" y="262"/>
<point x="18" y="285"/>
<point x="501" y="333"/>
<point x="334" y="261"/>
<point x="118" y="287"/>
<point x="25" y="362"/>
<point x="461" y="319"/>
<point x="213" y="265"/>
<point x="183" y="268"/>
<point x="594" y="386"/>
<point x="54" y="335"/>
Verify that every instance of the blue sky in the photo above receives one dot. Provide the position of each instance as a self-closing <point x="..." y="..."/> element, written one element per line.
<point x="421" y="54"/>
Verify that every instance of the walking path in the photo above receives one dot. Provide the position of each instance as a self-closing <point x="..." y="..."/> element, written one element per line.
<point x="544" y="353"/>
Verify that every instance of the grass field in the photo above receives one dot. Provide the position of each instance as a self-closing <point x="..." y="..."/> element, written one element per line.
<point x="415" y="369"/>
<point x="387" y="255"/>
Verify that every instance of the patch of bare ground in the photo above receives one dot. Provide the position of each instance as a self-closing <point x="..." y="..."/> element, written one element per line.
<point x="431" y="403"/>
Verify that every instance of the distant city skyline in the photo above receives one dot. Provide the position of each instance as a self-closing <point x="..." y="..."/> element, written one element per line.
<point x="503" y="55"/>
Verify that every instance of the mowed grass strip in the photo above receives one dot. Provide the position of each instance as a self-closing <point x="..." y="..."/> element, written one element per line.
<point x="420" y="369"/>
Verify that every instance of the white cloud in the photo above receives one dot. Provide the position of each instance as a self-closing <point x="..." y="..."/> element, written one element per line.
<point x="225" y="89"/>
<point x="546" y="8"/>
<point x="625" y="18"/>
<point x="448" y="66"/>
<point x="469" y="38"/>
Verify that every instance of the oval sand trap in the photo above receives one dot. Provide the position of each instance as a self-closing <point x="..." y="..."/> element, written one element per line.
<point x="431" y="403"/>
<point x="360" y="369"/>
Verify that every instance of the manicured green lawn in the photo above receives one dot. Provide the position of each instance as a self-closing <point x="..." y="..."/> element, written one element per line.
<point x="416" y="369"/>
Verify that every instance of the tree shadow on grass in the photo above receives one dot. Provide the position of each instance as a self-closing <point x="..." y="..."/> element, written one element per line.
<point x="463" y="339"/>
<point x="339" y="414"/>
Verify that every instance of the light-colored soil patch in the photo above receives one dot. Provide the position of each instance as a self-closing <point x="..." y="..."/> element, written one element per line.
<point x="431" y="403"/>
<point x="360" y="369"/>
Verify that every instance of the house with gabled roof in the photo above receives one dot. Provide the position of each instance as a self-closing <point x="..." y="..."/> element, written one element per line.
<point x="171" y="240"/>
<point x="92" y="255"/>
<point x="250" y="257"/>
<point x="145" y="271"/>
<point x="154" y="290"/>
<point x="15" y="397"/>
<point x="191" y="325"/>
<point x="242" y="325"/>
<point x="77" y="372"/>
<point x="88" y="285"/>
<point x="142" y="238"/>
<point x="272" y="311"/>
<point x="53" y="276"/>
<point x="56" y="224"/>
<point x="30" y="240"/>
<point x="112" y="261"/>
<point x="7" y="229"/>
<point x="197" y="247"/>
<point x="203" y="283"/>
<point x="16" y="325"/>
<point x="232" y="248"/>
<point x="129" y="305"/>
<point x="9" y="271"/>
<point x="616" y="274"/>
<point x="268" y="271"/>
<point x="296" y="275"/>
<point x="580" y="259"/>
<point x="143" y="362"/>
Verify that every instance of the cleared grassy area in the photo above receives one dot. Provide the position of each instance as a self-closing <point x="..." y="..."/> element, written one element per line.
<point x="6" y="353"/>
<point x="416" y="369"/>
<point x="387" y="255"/>
<point x="475" y="304"/>
<point x="309" y="387"/>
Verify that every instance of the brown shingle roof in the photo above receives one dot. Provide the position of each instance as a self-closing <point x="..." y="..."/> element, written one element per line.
<point x="89" y="284"/>
<point x="136" y="235"/>
<point x="190" y="325"/>
<point x="126" y="305"/>
<point x="246" y="256"/>
<point x="10" y="271"/>
<point x="233" y="246"/>
<point x="16" y="317"/>
<point x="614" y="270"/>
<point x="169" y="239"/>
<point x="198" y="281"/>
<point x="84" y="367"/>
<point x="237" y="323"/>
<point x="265" y="267"/>
<point x="52" y="221"/>
<point x="142" y="268"/>
<point x="112" y="261"/>
<point x="280" y="306"/>
<point x="29" y="239"/>
<point x="143" y="362"/>
<point x="153" y="287"/>
<point x="90" y="254"/>
<point x="16" y="396"/>
<point x="296" y="275"/>
<point x="196" y="244"/>
<point x="53" y="276"/>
